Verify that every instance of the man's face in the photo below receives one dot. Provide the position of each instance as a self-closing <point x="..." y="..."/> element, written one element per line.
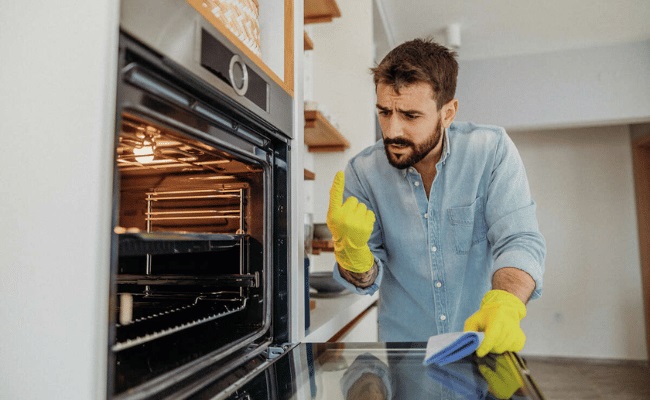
<point x="410" y="123"/>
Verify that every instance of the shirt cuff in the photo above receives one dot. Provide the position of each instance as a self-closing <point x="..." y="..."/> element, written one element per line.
<point x="370" y="290"/>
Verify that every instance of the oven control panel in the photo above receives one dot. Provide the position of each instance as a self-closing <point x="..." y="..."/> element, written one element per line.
<point x="232" y="69"/>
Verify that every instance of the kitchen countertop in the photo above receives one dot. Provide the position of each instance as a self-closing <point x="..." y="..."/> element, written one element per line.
<point x="333" y="313"/>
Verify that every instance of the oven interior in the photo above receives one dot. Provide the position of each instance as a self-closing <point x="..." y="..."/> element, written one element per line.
<point x="191" y="276"/>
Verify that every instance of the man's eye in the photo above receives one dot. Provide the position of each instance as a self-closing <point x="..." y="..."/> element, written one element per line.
<point x="383" y="113"/>
<point x="410" y="116"/>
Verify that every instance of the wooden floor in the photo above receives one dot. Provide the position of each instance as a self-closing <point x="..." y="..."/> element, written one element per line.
<point x="571" y="379"/>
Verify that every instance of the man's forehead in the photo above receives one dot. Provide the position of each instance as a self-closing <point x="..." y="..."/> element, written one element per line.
<point x="415" y="92"/>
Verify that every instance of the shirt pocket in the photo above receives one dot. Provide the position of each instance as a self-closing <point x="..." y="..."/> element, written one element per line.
<point x="468" y="225"/>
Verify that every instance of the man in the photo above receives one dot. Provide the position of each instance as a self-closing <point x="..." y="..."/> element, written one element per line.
<point x="438" y="213"/>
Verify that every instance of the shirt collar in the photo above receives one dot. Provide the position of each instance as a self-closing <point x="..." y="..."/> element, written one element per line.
<point x="446" y="147"/>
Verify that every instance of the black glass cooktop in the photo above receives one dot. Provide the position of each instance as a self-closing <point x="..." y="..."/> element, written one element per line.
<point x="395" y="371"/>
<point x="381" y="371"/>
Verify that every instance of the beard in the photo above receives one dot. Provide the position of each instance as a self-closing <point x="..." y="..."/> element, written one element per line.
<point x="418" y="151"/>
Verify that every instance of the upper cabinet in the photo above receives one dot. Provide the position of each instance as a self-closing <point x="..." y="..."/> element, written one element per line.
<point x="262" y="30"/>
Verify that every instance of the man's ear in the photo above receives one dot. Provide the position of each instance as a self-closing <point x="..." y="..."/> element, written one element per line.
<point x="449" y="112"/>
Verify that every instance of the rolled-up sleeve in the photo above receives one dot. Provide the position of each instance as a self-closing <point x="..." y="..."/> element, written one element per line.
<point x="510" y="214"/>
<point x="370" y="290"/>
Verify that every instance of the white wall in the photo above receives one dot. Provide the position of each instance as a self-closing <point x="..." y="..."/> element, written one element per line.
<point x="342" y="83"/>
<point x="592" y="304"/>
<point x="582" y="179"/>
<point x="57" y="100"/>
<point x="593" y="86"/>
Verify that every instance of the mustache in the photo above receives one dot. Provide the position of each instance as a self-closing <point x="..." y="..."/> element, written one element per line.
<point x="399" y="141"/>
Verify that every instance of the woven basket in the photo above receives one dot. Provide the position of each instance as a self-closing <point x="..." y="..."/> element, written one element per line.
<point x="241" y="17"/>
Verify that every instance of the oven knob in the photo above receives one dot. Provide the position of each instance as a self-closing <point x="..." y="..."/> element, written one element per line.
<point x="238" y="75"/>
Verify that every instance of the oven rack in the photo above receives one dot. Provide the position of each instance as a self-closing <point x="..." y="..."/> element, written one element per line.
<point x="168" y="321"/>
<point x="169" y="208"/>
<point x="152" y="243"/>
<point x="239" y="280"/>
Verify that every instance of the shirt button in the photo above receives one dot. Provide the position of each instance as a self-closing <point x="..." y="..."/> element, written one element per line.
<point x="411" y="169"/>
<point x="426" y="215"/>
<point x="443" y="317"/>
<point x="417" y="183"/>
<point x="438" y="284"/>
<point x="434" y="249"/>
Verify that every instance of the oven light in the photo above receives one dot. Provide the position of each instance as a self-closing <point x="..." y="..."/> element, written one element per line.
<point x="144" y="154"/>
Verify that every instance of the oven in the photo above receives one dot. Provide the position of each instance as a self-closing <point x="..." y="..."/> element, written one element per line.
<point x="200" y="245"/>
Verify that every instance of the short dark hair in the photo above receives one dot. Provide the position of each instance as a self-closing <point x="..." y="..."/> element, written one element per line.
<point x="420" y="60"/>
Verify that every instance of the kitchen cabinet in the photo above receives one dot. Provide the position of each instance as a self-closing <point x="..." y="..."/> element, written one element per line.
<point x="63" y="344"/>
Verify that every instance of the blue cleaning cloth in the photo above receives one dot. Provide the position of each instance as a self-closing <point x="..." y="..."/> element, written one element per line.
<point x="449" y="347"/>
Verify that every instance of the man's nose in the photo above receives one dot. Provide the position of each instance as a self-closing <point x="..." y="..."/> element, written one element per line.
<point x="395" y="128"/>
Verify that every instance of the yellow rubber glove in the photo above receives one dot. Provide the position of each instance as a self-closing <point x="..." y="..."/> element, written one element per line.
<point x="503" y="379"/>
<point x="351" y="224"/>
<point x="498" y="318"/>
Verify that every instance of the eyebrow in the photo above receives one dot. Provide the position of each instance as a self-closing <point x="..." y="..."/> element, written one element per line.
<point x="382" y="108"/>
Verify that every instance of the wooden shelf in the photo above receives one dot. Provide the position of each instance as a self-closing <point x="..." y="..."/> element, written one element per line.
<point x="321" y="11"/>
<point x="309" y="176"/>
<point x="309" y="45"/>
<point x="317" y="246"/>
<point x="321" y="136"/>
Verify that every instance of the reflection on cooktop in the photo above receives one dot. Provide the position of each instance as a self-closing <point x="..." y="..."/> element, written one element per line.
<point x="384" y="371"/>
<point x="357" y="371"/>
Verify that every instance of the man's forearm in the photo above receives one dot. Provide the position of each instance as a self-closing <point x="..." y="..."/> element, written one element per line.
<point x="361" y="279"/>
<point x="515" y="281"/>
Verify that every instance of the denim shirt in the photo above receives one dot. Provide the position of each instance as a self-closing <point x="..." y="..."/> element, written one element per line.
<point x="436" y="256"/>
